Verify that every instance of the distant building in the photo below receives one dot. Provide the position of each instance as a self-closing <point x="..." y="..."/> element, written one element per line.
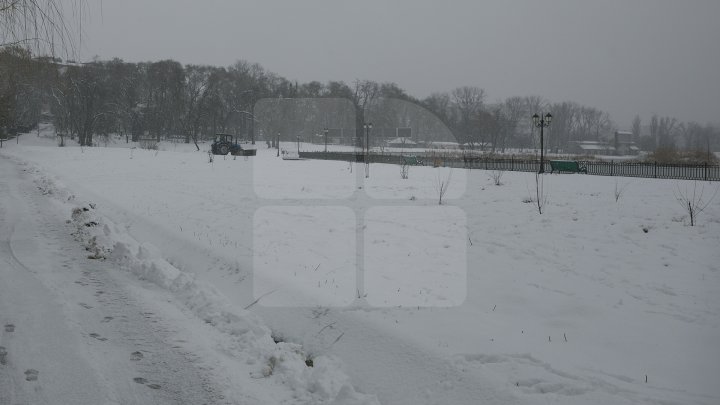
<point x="401" y="142"/>
<point x="591" y="148"/>
<point x="624" y="145"/>
<point x="443" y="145"/>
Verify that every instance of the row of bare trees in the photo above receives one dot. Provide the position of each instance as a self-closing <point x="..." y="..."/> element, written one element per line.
<point x="165" y="99"/>
<point x="668" y="133"/>
<point x="154" y="100"/>
<point x="497" y="126"/>
<point x="161" y="99"/>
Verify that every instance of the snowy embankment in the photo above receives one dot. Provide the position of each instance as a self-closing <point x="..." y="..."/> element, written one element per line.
<point x="609" y="296"/>
<point x="253" y="352"/>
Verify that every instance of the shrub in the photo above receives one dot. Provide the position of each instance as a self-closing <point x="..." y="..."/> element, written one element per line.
<point x="149" y="144"/>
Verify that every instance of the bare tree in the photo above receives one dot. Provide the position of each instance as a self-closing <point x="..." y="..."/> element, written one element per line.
<point x="442" y="183"/>
<point x="41" y="26"/>
<point x="514" y="109"/>
<point x="654" y="130"/>
<point x="636" y="128"/>
<point x="198" y="88"/>
<point x="364" y="95"/>
<point x="666" y="131"/>
<point x="541" y="197"/>
<point x="697" y="139"/>
<point x="693" y="200"/>
<point x="19" y="93"/>
<point x="404" y="170"/>
<point x="564" y="124"/>
<point x="619" y="190"/>
<point x="468" y="101"/>
<point x="484" y="131"/>
<point x="439" y="104"/>
<point x="166" y="85"/>
<point x="497" y="176"/>
<point x="80" y="102"/>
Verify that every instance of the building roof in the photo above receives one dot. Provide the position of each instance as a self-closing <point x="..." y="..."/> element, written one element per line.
<point x="401" y="140"/>
<point x="444" y="143"/>
<point x="593" y="146"/>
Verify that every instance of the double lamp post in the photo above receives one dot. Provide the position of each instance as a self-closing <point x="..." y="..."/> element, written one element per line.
<point x="542" y="122"/>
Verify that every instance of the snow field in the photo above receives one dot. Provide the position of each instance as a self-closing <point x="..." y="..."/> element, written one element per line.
<point x="319" y="379"/>
<point x="577" y="305"/>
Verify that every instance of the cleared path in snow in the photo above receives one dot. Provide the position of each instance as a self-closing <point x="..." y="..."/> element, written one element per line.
<point x="72" y="332"/>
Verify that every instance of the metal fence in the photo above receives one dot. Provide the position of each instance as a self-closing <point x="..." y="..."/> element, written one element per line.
<point x="655" y="170"/>
<point x="623" y="169"/>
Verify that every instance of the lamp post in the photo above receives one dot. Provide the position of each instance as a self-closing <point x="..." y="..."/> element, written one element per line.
<point x="326" y="134"/>
<point x="368" y="126"/>
<point x="542" y="122"/>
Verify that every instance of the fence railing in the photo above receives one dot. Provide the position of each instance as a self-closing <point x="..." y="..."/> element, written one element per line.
<point x="600" y="168"/>
<point x="656" y="170"/>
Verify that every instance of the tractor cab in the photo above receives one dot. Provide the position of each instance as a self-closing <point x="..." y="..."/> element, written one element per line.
<point x="224" y="138"/>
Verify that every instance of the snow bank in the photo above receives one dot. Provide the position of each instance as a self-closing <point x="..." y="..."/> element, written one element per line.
<point x="318" y="380"/>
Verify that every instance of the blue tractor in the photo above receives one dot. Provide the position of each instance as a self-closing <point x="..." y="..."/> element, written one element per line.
<point x="226" y="143"/>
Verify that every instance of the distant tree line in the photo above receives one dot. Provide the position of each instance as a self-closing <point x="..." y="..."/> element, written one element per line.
<point x="668" y="138"/>
<point x="164" y="99"/>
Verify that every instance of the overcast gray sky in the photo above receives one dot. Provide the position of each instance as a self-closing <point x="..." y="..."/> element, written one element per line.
<point x="625" y="57"/>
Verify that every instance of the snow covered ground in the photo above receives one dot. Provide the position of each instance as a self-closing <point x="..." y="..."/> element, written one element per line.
<point x="391" y="297"/>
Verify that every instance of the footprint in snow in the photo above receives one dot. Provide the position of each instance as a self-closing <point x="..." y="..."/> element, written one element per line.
<point x="31" y="375"/>
<point x="141" y="380"/>
<point x="3" y="355"/>
<point x="84" y="305"/>
<point x="98" y="337"/>
<point x="107" y="319"/>
<point x="10" y="328"/>
<point x="136" y="356"/>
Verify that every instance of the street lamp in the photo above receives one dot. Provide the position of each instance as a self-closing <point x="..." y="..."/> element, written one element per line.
<point x="542" y="122"/>
<point x="368" y="126"/>
<point x="326" y="133"/>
